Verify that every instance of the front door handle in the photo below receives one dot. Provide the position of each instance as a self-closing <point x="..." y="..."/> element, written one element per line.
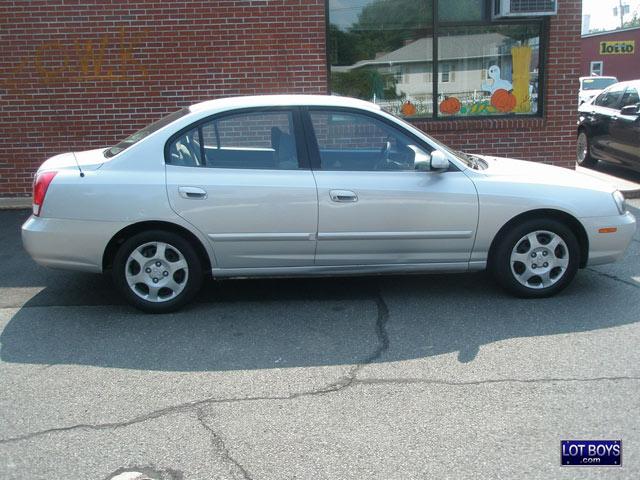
<point x="192" y="193"/>
<point x="343" y="196"/>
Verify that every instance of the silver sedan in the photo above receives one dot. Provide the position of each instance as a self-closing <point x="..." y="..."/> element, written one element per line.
<point x="311" y="185"/>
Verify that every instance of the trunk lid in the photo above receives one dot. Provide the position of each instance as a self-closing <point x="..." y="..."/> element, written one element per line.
<point x="88" y="160"/>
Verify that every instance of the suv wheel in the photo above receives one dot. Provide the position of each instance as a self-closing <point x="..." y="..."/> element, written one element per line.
<point x="157" y="271"/>
<point x="584" y="151"/>
<point x="537" y="258"/>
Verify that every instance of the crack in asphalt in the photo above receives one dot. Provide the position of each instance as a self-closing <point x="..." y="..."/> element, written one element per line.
<point x="349" y="380"/>
<point x="219" y="445"/>
<point x="344" y="382"/>
<point x="335" y="387"/>
<point x="426" y="381"/>
<point x="613" y="277"/>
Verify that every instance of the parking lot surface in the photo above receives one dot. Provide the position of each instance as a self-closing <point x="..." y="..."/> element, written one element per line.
<point x="337" y="378"/>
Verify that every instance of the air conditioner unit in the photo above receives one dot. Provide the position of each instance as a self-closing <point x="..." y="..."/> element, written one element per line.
<point x="524" y="8"/>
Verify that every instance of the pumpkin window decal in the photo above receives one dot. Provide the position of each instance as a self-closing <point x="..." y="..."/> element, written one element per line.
<point x="450" y="106"/>
<point x="408" y="109"/>
<point x="503" y="101"/>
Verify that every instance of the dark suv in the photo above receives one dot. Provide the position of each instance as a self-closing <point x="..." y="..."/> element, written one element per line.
<point x="609" y="127"/>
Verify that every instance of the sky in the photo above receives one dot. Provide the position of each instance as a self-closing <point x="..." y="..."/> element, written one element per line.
<point x="601" y="12"/>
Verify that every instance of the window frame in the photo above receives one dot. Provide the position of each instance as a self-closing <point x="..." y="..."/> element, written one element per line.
<point x="591" y="72"/>
<point x="299" y="135"/>
<point x="629" y="88"/>
<point x="606" y="92"/>
<point x="314" y="149"/>
<point x="542" y="22"/>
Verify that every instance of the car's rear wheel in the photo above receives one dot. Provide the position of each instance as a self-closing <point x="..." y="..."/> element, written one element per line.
<point x="583" y="146"/>
<point x="157" y="271"/>
<point x="537" y="258"/>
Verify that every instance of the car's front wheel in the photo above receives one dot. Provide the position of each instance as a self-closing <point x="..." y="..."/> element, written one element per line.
<point x="536" y="258"/>
<point x="157" y="271"/>
<point x="583" y="146"/>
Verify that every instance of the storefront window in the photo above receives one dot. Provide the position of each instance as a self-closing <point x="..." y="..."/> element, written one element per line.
<point x="489" y="70"/>
<point x="381" y="51"/>
<point x="384" y="50"/>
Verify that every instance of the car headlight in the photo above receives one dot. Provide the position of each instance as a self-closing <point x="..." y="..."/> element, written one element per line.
<point x="618" y="197"/>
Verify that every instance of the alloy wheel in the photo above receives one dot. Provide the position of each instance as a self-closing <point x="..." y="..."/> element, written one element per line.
<point x="582" y="148"/>
<point x="156" y="272"/>
<point x="539" y="259"/>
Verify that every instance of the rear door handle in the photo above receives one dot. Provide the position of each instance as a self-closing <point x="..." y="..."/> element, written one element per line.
<point x="192" y="193"/>
<point x="343" y="196"/>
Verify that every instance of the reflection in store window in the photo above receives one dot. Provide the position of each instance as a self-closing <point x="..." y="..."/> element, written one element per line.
<point x="488" y="70"/>
<point x="383" y="51"/>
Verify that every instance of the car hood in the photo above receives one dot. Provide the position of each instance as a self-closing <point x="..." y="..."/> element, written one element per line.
<point x="522" y="171"/>
<point x="88" y="160"/>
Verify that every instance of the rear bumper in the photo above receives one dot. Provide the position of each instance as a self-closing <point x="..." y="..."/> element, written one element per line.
<point x="69" y="244"/>
<point x="608" y="247"/>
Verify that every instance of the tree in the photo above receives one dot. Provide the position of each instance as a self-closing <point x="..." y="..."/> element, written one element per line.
<point x="385" y="25"/>
<point x="634" y="22"/>
<point x="341" y="46"/>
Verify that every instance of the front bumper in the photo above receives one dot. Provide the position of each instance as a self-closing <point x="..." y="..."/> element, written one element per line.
<point x="69" y="244"/>
<point x="608" y="247"/>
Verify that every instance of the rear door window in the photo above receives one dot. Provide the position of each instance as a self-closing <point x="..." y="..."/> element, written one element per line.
<point x="262" y="140"/>
<point x="258" y="140"/>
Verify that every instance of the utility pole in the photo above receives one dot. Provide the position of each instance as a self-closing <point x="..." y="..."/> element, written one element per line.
<point x="621" y="14"/>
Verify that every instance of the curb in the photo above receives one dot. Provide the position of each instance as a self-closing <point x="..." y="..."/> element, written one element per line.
<point x="15" y="203"/>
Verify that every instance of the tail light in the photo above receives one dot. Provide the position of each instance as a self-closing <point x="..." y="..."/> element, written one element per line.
<point x="40" y="186"/>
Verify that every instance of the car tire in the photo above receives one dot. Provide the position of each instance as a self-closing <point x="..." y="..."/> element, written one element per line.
<point x="583" y="147"/>
<point x="157" y="271"/>
<point x="536" y="258"/>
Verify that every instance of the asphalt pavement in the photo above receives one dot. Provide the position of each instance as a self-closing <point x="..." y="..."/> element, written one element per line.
<point x="409" y="377"/>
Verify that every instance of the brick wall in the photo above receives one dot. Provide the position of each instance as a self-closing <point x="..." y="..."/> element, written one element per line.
<point x="78" y="74"/>
<point x="83" y="73"/>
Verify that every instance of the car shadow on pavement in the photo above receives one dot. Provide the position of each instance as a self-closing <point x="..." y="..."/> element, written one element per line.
<point x="270" y="323"/>
<point x="285" y="323"/>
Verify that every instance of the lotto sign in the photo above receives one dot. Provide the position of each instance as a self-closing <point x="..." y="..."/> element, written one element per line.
<point x="623" y="47"/>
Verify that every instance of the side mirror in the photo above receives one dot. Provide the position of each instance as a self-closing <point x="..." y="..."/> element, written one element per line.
<point x="630" y="110"/>
<point x="439" y="161"/>
<point x="423" y="162"/>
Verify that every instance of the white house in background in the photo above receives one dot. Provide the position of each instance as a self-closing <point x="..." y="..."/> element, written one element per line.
<point x="463" y="68"/>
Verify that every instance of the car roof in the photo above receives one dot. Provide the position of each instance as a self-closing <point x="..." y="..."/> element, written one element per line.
<point x="627" y="83"/>
<point x="598" y="76"/>
<point x="230" y="103"/>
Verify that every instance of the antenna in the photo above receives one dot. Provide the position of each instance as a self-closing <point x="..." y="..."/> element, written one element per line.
<point x="78" y="164"/>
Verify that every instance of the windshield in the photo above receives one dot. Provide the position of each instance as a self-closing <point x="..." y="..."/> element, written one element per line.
<point x="597" y="83"/>
<point x="145" y="132"/>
